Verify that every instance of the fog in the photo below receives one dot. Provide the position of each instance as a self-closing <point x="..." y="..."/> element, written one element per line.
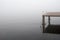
<point x="24" y="16"/>
<point x="25" y="11"/>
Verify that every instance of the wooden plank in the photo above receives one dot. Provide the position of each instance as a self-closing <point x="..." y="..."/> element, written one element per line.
<point x="52" y="14"/>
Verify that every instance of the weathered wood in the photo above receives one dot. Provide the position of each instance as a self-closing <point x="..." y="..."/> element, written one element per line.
<point x="52" y="14"/>
<point x="48" y="20"/>
<point x="49" y="14"/>
<point x="43" y="24"/>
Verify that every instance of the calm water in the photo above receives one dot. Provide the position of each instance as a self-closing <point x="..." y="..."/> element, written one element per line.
<point x="25" y="31"/>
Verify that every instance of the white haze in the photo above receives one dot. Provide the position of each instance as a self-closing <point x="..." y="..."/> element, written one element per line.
<point x="25" y="15"/>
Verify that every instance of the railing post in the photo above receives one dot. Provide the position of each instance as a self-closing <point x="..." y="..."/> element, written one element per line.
<point x="43" y="23"/>
<point x="48" y="20"/>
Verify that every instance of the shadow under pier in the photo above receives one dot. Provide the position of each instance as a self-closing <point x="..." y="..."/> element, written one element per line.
<point x="53" y="29"/>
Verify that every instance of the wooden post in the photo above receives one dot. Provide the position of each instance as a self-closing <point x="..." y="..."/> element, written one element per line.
<point x="43" y="21"/>
<point x="48" y="20"/>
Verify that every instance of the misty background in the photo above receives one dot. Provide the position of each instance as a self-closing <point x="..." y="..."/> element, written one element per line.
<point x="23" y="18"/>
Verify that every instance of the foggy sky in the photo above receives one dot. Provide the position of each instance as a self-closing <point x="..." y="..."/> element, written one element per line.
<point x="25" y="11"/>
